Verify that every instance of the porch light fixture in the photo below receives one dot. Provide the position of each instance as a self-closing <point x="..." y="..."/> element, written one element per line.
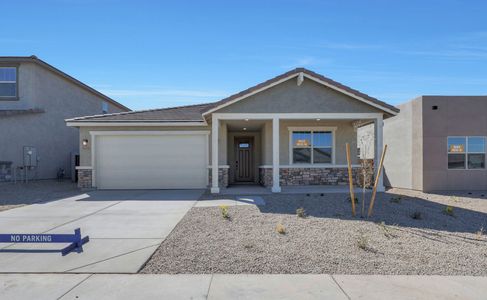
<point x="85" y="143"/>
<point x="318" y="119"/>
<point x="246" y="120"/>
<point x="245" y="128"/>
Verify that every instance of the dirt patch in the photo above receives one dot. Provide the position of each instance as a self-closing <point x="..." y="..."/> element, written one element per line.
<point x="329" y="240"/>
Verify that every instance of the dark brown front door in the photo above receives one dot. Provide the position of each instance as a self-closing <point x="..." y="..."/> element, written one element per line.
<point x="244" y="158"/>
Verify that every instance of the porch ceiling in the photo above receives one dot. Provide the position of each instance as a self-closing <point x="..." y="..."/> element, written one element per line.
<point x="250" y="125"/>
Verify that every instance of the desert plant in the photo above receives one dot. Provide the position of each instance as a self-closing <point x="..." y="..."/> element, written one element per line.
<point x="397" y="199"/>
<point x="301" y="212"/>
<point x="417" y="215"/>
<point x="448" y="210"/>
<point x="224" y="211"/>
<point x="280" y="229"/>
<point x="366" y="170"/>
<point x="480" y="232"/>
<point x="363" y="242"/>
<point x="386" y="230"/>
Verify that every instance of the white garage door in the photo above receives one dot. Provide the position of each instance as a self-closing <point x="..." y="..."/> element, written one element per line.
<point x="151" y="161"/>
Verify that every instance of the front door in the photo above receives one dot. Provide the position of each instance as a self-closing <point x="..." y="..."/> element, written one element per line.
<point x="244" y="159"/>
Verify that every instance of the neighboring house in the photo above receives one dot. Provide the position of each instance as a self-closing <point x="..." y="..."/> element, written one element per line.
<point x="35" y="99"/>
<point x="290" y="130"/>
<point x="437" y="143"/>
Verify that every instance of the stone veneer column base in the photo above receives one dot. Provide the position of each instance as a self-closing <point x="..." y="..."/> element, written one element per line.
<point x="222" y="177"/>
<point x="84" y="178"/>
<point x="308" y="176"/>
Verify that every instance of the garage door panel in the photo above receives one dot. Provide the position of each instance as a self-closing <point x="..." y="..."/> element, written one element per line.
<point x="159" y="161"/>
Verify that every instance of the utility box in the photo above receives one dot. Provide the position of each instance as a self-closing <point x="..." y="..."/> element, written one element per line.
<point x="30" y="156"/>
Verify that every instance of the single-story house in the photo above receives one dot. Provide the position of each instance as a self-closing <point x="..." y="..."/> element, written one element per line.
<point x="289" y="130"/>
<point x="437" y="143"/>
<point x="35" y="99"/>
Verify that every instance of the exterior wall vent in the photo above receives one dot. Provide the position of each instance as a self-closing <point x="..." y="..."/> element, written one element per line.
<point x="434" y="107"/>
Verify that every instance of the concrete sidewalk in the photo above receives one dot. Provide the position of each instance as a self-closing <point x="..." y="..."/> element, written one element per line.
<point x="121" y="286"/>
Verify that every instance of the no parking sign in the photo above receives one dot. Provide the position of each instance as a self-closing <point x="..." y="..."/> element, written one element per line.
<point x="75" y="240"/>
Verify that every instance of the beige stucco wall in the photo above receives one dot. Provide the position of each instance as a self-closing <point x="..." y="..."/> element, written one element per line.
<point x="398" y="136"/>
<point x="288" y="97"/>
<point x="47" y="131"/>
<point x="366" y="141"/>
<point x="344" y="133"/>
<point x="455" y="116"/>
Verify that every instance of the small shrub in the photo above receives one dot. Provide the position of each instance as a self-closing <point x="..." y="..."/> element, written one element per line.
<point x="417" y="215"/>
<point x="386" y="230"/>
<point x="280" y="229"/>
<point x="396" y="200"/>
<point x="480" y="233"/>
<point x="448" y="210"/>
<point x="301" y="212"/>
<point x="363" y="242"/>
<point x="224" y="212"/>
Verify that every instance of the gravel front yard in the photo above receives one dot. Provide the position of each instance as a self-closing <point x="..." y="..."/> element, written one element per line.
<point x="329" y="240"/>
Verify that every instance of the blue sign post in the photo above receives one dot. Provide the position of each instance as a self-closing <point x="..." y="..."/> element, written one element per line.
<point x="75" y="240"/>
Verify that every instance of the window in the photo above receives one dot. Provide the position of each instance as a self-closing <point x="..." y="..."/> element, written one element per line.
<point x="466" y="152"/>
<point x="8" y="82"/>
<point x="311" y="147"/>
<point x="104" y="107"/>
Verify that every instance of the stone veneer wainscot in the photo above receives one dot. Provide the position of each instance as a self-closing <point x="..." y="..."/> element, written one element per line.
<point x="307" y="176"/>
<point x="222" y="177"/>
<point x="84" y="178"/>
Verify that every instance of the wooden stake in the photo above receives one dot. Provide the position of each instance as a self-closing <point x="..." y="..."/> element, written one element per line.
<point x="374" y="191"/>
<point x="350" y="179"/>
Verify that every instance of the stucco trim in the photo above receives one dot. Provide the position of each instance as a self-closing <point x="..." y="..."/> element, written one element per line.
<point x="134" y="123"/>
<point x="296" y="116"/>
<point x="84" y="168"/>
<point x="134" y="132"/>
<point x="271" y="83"/>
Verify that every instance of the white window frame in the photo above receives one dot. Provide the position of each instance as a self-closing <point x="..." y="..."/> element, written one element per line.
<point x="466" y="152"/>
<point x="311" y="130"/>
<point x="16" y="82"/>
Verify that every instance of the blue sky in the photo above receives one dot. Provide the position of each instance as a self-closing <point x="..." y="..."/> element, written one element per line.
<point x="149" y="54"/>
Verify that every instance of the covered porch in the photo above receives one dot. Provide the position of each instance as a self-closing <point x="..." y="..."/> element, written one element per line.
<point x="286" y="152"/>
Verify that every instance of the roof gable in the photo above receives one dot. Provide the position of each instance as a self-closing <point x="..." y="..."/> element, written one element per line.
<point x="289" y="97"/>
<point x="300" y="74"/>
<point x="40" y="62"/>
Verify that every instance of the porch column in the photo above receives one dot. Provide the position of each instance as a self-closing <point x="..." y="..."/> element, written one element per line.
<point x="379" y="126"/>
<point x="214" y="155"/>
<point x="275" y="155"/>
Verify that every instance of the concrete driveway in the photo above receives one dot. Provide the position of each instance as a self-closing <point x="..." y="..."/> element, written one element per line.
<point x="125" y="228"/>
